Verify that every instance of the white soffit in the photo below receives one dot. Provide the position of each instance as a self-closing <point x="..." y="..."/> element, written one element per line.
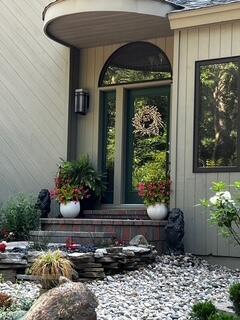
<point x="91" y="23"/>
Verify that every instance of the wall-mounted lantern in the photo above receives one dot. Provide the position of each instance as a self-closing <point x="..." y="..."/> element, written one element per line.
<point x="81" y="101"/>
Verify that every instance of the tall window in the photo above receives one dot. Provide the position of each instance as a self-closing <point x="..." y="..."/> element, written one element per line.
<point x="136" y="62"/>
<point x="108" y="115"/>
<point x="217" y="116"/>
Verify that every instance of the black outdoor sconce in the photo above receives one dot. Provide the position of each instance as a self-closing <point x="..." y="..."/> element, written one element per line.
<point x="81" y="101"/>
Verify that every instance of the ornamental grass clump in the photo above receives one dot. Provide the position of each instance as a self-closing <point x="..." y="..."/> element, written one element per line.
<point x="50" y="267"/>
<point x="234" y="293"/>
<point x="224" y="210"/>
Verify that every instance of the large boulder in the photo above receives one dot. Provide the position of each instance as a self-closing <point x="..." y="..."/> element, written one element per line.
<point x="69" y="301"/>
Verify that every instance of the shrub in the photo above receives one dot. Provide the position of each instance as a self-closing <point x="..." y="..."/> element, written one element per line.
<point x="224" y="210"/>
<point x="234" y="293"/>
<point x="50" y="266"/>
<point x="5" y="300"/>
<point x="203" y="310"/>
<point x="18" y="216"/>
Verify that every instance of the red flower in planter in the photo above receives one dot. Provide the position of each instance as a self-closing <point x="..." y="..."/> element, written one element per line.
<point x="3" y="246"/>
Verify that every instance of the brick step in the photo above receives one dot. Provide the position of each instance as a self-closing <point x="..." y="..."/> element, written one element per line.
<point x="124" y="230"/>
<point x="81" y="237"/>
<point x="124" y="214"/>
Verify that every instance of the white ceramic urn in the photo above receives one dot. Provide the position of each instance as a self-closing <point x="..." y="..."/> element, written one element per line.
<point x="70" y="209"/>
<point x="158" y="211"/>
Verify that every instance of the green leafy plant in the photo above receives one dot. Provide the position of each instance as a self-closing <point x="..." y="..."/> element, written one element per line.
<point x="234" y="293"/>
<point x="203" y="310"/>
<point x="152" y="171"/>
<point x="18" y="216"/>
<point x="50" y="266"/>
<point x="68" y="193"/>
<point x="155" y="192"/>
<point x="81" y="173"/>
<point x="225" y="211"/>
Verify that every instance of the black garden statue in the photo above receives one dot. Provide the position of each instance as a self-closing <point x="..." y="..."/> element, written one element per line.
<point x="175" y="232"/>
<point x="44" y="203"/>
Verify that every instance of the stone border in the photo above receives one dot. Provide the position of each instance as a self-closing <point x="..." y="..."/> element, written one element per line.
<point x="88" y="265"/>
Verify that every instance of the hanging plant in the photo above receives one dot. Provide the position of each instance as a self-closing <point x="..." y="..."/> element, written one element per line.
<point x="148" y="121"/>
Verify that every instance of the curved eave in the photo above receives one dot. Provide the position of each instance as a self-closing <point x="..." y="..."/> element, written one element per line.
<point x="90" y="23"/>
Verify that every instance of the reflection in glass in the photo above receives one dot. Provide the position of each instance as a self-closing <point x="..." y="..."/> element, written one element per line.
<point x="108" y="141"/>
<point x="218" y="115"/>
<point x="136" y="62"/>
<point x="147" y="156"/>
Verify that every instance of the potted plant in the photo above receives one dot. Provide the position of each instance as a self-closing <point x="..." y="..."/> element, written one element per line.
<point x="156" y="197"/>
<point x="69" y="197"/>
<point x="82" y="174"/>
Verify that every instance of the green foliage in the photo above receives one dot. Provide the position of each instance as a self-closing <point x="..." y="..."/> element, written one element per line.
<point x="225" y="211"/>
<point x="203" y="310"/>
<point x="153" y="171"/>
<point x="234" y="293"/>
<point x="154" y="193"/>
<point x="67" y="193"/>
<point x="81" y="173"/>
<point x="218" y="117"/>
<point x="219" y="186"/>
<point x="18" y="216"/>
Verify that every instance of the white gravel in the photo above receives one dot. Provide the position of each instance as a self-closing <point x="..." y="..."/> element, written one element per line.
<point x="21" y="292"/>
<point x="165" y="291"/>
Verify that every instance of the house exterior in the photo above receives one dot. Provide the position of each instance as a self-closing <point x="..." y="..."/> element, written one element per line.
<point x="181" y="57"/>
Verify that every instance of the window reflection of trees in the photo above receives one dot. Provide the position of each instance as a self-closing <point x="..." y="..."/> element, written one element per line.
<point x="116" y="75"/>
<point x="219" y="107"/>
<point x="150" y="153"/>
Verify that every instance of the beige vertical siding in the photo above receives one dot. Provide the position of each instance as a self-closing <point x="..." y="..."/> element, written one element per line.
<point x="92" y="62"/>
<point x="33" y="99"/>
<point x="207" y="42"/>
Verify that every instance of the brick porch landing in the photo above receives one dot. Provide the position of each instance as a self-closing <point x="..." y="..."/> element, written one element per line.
<point x="122" y="229"/>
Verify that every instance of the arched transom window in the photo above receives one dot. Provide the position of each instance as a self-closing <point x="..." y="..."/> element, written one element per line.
<point x="136" y="62"/>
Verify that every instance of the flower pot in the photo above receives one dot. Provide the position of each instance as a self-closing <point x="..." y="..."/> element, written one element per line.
<point x="70" y="209"/>
<point x="157" y="212"/>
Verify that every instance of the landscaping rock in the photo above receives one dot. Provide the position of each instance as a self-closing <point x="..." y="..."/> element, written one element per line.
<point x="138" y="241"/>
<point x="69" y="301"/>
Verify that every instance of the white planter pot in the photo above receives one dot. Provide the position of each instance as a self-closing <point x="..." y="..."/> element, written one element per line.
<point x="157" y="212"/>
<point x="70" y="209"/>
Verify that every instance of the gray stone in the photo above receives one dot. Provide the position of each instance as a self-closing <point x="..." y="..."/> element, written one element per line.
<point x="69" y="301"/>
<point x="136" y="249"/>
<point x="138" y="240"/>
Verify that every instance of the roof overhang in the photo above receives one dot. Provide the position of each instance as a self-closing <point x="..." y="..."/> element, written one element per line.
<point x="206" y="15"/>
<point x="91" y="23"/>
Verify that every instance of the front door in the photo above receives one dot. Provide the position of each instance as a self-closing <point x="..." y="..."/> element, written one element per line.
<point x="147" y="152"/>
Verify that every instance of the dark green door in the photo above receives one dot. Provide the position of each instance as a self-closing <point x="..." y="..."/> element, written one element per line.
<point x="145" y="151"/>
